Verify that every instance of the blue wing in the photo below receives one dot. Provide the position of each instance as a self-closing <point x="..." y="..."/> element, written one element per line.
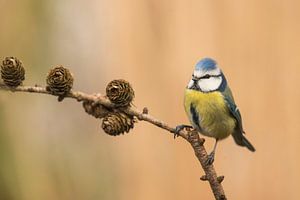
<point x="233" y="109"/>
<point x="237" y="134"/>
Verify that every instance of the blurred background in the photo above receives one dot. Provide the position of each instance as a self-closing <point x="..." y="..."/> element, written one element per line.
<point x="51" y="150"/>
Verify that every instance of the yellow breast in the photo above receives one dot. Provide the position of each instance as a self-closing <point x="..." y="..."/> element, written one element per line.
<point x="213" y="114"/>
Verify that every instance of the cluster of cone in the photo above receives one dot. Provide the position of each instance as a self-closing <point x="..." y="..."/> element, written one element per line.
<point x="60" y="82"/>
<point x="121" y="94"/>
<point x="59" y="79"/>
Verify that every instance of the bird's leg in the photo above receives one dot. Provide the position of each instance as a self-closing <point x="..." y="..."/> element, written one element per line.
<point x="180" y="128"/>
<point x="211" y="156"/>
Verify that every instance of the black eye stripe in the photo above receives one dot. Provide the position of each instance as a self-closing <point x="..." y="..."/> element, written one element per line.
<point x="207" y="76"/>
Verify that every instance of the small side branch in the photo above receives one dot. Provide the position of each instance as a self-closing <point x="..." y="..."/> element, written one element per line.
<point x="191" y="136"/>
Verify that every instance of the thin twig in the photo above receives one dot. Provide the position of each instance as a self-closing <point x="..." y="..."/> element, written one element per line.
<point x="191" y="136"/>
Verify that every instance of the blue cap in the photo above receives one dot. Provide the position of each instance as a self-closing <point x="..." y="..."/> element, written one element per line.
<point x="206" y="64"/>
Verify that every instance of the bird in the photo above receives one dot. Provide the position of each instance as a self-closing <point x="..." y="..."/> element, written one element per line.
<point x="210" y="107"/>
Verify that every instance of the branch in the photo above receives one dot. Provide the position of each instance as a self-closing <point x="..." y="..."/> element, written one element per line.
<point x="191" y="136"/>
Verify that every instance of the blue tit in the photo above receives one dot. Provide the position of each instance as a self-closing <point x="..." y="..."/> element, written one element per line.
<point x="210" y="106"/>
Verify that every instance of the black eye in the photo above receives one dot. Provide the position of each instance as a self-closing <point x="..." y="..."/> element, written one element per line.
<point x="206" y="76"/>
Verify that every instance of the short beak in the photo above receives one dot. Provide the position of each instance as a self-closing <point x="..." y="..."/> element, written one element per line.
<point x="195" y="85"/>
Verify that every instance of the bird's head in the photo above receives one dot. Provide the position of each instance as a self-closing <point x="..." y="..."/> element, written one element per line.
<point x="207" y="76"/>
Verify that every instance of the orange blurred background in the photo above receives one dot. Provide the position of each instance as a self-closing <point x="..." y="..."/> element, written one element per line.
<point x="51" y="150"/>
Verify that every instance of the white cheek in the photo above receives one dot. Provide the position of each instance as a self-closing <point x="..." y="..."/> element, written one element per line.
<point x="211" y="84"/>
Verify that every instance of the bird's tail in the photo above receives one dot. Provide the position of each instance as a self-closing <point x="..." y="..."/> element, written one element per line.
<point x="241" y="140"/>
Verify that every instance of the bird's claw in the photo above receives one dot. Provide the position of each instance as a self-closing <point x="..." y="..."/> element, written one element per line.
<point x="177" y="130"/>
<point x="210" y="158"/>
<point x="180" y="128"/>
